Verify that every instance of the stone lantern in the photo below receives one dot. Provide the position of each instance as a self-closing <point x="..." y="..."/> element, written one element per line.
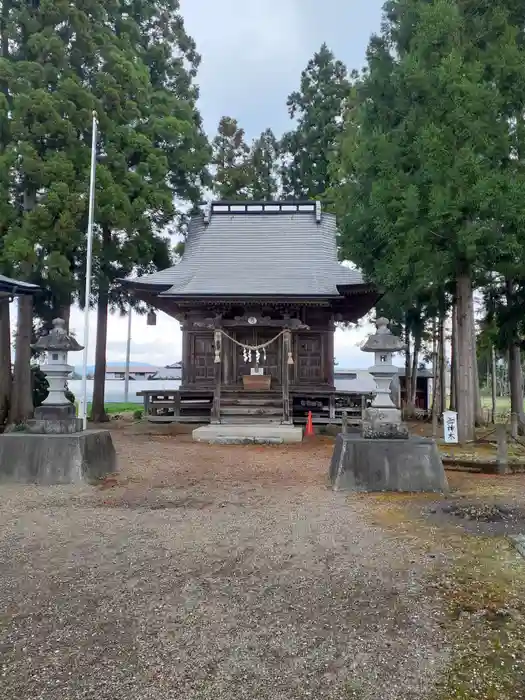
<point x="52" y="448"/>
<point x="56" y="414"/>
<point x="384" y="457"/>
<point x="383" y="418"/>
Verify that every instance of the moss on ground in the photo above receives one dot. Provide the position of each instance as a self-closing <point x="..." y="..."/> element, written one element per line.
<point x="483" y="594"/>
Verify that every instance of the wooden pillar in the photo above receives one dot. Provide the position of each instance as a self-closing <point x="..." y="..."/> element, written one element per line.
<point x="330" y="354"/>
<point x="216" y="408"/>
<point x="227" y="346"/>
<point x="287" y="353"/>
<point x="187" y="360"/>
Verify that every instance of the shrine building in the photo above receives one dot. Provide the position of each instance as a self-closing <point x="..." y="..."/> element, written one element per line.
<point x="258" y="293"/>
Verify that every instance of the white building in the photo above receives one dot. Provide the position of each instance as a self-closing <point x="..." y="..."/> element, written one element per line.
<point x="135" y="372"/>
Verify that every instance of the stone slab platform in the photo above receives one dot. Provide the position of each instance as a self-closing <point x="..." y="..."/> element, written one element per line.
<point x="360" y="464"/>
<point x="230" y="433"/>
<point x="26" y="458"/>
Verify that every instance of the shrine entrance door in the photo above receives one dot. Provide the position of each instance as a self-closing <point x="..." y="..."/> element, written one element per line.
<point x="269" y="359"/>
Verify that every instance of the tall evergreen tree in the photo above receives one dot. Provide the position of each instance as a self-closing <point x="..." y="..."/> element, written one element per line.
<point x="318" y="107"/>
<point x="233" y="175"/>
<point x="424" y="176"/>
<point x="43" y="110"/>
<point x="152" y="151"/>
<point x="133" y="64"/>
<point x="264" y="167"/>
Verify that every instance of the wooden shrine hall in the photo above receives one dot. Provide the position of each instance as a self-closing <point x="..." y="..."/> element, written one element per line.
<point x="258" y="292"/>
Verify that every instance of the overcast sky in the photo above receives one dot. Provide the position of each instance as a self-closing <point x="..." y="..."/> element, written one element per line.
<point x="253" y="52"/>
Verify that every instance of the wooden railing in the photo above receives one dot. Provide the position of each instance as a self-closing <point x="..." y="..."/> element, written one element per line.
<point x="174" y="406"/>
<point x="193" y="406"/>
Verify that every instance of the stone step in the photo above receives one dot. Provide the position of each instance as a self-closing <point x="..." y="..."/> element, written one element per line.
<point x="248" y="433"/>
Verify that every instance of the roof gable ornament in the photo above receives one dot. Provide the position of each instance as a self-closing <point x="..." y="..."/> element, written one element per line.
<point x="318" y="211"/>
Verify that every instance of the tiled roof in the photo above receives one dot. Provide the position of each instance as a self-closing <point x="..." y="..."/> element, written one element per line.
<point x="259" y="254"/>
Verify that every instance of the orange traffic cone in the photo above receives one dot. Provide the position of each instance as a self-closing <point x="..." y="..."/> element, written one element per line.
<point x="309" y="432"/>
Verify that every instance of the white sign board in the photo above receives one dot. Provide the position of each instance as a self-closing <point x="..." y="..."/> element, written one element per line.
<point x="257" y="371"/>
<point x="450" y="427"/>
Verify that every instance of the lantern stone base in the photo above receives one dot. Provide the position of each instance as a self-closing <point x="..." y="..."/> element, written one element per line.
<point x="411" y="465"/>
<point x="27" y="458"/>
<point x="53" y="419"/>
<point x="383" y="423"/>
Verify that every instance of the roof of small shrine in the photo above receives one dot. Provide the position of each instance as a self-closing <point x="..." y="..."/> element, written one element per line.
<point x="249" y="249"/>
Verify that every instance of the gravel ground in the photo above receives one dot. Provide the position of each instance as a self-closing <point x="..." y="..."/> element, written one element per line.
<point x="224" y="573"/>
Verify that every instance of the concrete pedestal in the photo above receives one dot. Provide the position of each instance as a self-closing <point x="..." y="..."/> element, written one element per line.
<point x="56" y="458"/>
<point x="360" y="464"/>
<point x="264" y="433"/>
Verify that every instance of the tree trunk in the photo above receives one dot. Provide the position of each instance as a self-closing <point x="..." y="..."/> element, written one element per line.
<point x="465" y="356"/>
<point x="441" y="365"/>
<point x="21" y="407"/>
<point x="516" y="385"/>
<point x="98" y="412"/>
<point x="410" y="408"/>
<point x="515" y="371"/>
<point x="453" y="361"/>
<point x="435" y="379"/>
<point x="478" y="409"/>
<point x="493" y="382"/>
<point x="415" y="365"/>
<point x="64" y="312"/>
<point x="439" y="371"/>
<point x="5" y="359"/>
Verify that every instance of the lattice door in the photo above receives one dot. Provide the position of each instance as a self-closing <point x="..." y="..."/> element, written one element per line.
<point x="309" y="358"/>
<point x="204" y="357"/>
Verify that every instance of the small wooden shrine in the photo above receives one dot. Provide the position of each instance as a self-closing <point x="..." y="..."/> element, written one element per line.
<point x="258" y="293"/>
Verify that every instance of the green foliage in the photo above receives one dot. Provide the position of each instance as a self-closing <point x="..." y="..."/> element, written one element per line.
<point x="241" y="171"/>
<point x="424" y="176"/>
<point x="41" y="387"/>
<point x="263" y="160"/>
<point x="318" y="107"/>
<point x="43" y="114"/>
<point x="430" y="186"/>
<point x="135" y="66"/>
<point x="231" y="159"/>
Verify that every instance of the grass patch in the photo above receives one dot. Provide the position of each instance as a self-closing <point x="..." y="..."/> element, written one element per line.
<point x="113" y="408"/>
<point x="484" y="595"/>
<point x="482" y="590"/>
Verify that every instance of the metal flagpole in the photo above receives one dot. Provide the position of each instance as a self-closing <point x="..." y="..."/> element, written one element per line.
<point x="91" y="210"/>
<point x="128" y="355"/>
